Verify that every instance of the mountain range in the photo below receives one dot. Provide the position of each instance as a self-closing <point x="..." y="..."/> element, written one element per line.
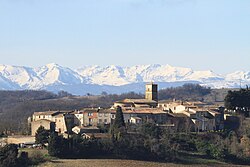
<point x="112" y="79"/>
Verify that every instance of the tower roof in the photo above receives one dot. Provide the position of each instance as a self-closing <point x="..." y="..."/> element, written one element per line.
<point x="151" y="83"/>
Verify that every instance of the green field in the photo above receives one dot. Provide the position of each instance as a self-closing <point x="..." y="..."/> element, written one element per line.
<point x="118" y="163"/>
<point x="185" y="160"/>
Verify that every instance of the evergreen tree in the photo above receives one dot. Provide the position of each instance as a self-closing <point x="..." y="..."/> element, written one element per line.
<point x="42" y="136"/>
<point x="119" y="119"/>
<point x="150" y="130"/>
<point x="56" y="145"/>
<point x="118" y="127"/>
<point x="239" y="101"/>
<point x="8" y="156"/>
<point x="23" y="159"/>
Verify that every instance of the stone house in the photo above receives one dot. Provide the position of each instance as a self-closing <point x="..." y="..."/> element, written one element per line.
<point x="106" y="116"/>
<point x="90" y="117"/>
<point x="59" y="121"/>
<point x="204" y="117"/>
<point x="47" y="124"/>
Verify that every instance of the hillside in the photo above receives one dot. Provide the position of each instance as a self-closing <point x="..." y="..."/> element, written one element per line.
<point x="17" y="106"/>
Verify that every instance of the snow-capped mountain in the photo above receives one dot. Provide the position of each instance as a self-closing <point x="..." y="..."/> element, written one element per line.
<point x="54" y="74"/>
<point x="113" y="79"/>
<point x="39" y="78"/>
<point x="115" y="75"/>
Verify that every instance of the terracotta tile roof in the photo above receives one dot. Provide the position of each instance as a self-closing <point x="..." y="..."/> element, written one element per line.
<point x="86" y="110"/>
<point x="136" y="111"/>
<point x="107" y="111"/>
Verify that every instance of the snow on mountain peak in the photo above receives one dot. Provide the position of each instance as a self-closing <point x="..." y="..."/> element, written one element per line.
<point x="239" y="75"/>
<point x="52" y="65"/>
<point x="116" y="75"/>
<point x="54" y="76"/>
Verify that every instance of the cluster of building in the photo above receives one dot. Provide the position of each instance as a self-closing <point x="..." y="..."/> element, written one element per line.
<point x="202" y="117"/>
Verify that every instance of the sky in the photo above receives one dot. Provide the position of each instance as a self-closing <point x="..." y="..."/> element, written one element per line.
<point x="199" y="34"/>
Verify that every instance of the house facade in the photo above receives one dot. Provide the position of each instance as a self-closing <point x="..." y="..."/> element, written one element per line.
<point x="205" y="117"/>
<point x="59" y="121"/>
<point x="47" y="124"/>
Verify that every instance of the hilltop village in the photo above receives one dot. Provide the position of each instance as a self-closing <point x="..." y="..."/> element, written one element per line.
<point x="140" y="129"/>
<point x="194" y="116"/>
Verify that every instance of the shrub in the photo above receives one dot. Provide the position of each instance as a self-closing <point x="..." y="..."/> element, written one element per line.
<point x="23" y="159"/>
<point x="8" y="156"/>
<point x="36" y="157"/>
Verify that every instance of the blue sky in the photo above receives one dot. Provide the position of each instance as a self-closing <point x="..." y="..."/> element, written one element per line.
<point x="201" y="34"/>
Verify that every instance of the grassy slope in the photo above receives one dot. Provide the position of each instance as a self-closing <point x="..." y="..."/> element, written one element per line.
<point x="184" y="160"/>
<point x="120" y="163"/>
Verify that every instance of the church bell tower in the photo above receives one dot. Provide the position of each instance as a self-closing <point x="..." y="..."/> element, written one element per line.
<point x="151" y="92"/>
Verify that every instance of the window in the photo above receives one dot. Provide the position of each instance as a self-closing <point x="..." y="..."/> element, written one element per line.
<point x="105" y="121"/>
<point x="106" y="114"/>
<point x="90" y="120"/>
<point x="99" y="114"/>
<point x="113" y="116"/>
<point x="43" y="116"/>
<point x="100" y="120"/>
<point x="90" y="114"/>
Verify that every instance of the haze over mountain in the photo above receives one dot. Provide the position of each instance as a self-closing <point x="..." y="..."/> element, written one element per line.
<point x="112" y="79"/>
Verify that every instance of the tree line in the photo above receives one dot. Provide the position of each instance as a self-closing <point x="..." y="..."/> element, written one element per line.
<point x="186" y="92"/>
<point x="238" y="101"/>
<point x="17" y="106"/>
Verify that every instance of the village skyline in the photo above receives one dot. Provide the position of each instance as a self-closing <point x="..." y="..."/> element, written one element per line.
<point x="124" y="83"/>
<point x="197" y="34"/>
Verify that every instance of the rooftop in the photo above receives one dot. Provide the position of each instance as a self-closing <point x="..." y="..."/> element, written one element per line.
<point x="86" y="110"/>
<point x="140" y="101"/>
<point x="52" y="113"/>
<point x="136" y="111"/>
<point x="46" y="113"/>
<point x="178" y="115"/>
<point x="44" y="120"/>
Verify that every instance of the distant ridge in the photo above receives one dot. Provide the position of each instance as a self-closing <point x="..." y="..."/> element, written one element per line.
<point x="113" y="79"/>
